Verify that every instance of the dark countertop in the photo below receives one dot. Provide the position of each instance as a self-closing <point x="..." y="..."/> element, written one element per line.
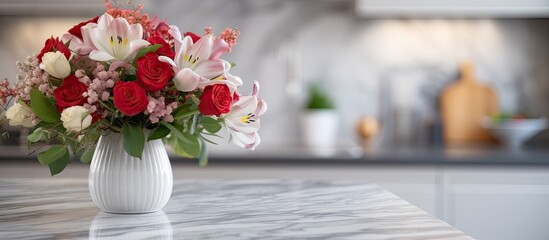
<point x="356" y="156"/>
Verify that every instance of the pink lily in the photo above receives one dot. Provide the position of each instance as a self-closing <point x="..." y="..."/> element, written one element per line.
<point x="243" y="121"/>
<point x="81" y="46"/>
<point x="197" y="64"/>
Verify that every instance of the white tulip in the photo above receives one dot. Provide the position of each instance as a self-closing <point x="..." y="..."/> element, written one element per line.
<point x="76" y="118"/>
<point x="56" y="65"/>
<point x="20" y="115"/>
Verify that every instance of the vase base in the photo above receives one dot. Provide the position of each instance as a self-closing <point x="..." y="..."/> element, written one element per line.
<point x="131" y="213"/>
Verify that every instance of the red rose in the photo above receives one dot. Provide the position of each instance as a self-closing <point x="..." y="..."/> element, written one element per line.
<point x="130" y="98"/>
<point x="77" y="29"/>
<point x="193" y="36"/>
<point x="153" y="74"/>
<point x="165" y="50"/>
<point x="215" y="100"/>
<point x="96" y="117"/>
<point x="236" y="97"/>
<point x="70" y="93"/>
<point x="53" y="44"/>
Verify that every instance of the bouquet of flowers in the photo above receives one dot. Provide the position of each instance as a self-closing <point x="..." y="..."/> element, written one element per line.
<point x="127" y="73"/>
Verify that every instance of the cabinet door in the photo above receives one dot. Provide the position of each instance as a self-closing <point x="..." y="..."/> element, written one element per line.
<point x="416" y="185"/>
<point x="499" y="203"/>
<point x="422" y="195"/>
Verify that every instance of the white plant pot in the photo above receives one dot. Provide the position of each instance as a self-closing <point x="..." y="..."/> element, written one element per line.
<point x="120" y="183"/>
<point x="320" y="129"/>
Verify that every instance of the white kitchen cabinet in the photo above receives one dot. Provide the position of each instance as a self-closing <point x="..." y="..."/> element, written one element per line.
<point x="417" y="185"/>
<point x="504" y="203"/>
<point x="453" y="8"/>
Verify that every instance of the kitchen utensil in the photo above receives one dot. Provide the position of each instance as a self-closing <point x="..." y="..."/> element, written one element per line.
<point x="463" y="106"/>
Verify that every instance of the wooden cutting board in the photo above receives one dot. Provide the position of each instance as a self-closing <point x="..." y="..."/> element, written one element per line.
<point x="463" y="106"/>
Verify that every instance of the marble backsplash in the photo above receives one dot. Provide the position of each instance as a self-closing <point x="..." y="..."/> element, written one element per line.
<point x="287" y="44"/>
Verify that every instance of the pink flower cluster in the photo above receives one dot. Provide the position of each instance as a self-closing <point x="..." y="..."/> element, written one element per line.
<point x="133" y="16"/>
<point x="31" y="76"/>
<point x="230" y="36"/>
<point x="98" y="87"/>
<point x="6" y="92"/>
<point x="158" y="109"/>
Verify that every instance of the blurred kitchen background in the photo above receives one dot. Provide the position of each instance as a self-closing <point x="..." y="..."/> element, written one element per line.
<point x="432" y="99"/>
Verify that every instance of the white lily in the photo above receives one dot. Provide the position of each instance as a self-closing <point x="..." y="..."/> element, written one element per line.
<point x="243" y="121"/>
<point x="197" y="64"/>
<point x="114" y="39"/>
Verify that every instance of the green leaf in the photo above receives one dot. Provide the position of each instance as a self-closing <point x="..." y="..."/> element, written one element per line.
<point x="175" y="145"/>
<point x="318" y="98"/>
<point x="43" y="107"/>
<point x="208" y="140"/>
<point x="87" y="156"/>
<point x="192" y="148"/>
<point x="129" y="78"/>
<point x="188" y="150"/>
<point x="146" y="50"/>
<point x="211" y="125"/>
<point x="134" y="139"/>
<point x="58" y="165"/>
<point x="176" y="132"/>
<point x="159" y="132"/>
<point x="54" y="153"/>
<point x="203" y="156"/>
<point x="180" y="110"/>
<point x="36" y="135"/>
<point x="49" y="126"/>
<point x="233" y="64"/>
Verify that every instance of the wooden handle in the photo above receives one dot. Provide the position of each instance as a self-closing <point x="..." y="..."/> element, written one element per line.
<point x="467" y="72"/>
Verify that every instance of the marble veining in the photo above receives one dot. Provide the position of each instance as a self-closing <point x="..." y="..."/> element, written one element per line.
<point x="217" y="209"/>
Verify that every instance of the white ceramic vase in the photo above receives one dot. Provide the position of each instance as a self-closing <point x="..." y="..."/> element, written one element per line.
<point x="120" y="183"/>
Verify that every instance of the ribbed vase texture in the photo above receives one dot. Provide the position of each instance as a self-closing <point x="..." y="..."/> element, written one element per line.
<point x="120" y="183"/>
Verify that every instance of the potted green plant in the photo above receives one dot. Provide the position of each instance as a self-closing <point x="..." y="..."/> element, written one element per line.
<point x="320" y="121"/>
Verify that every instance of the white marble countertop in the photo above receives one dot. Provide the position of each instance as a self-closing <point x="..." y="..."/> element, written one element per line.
<point x="214" y="209"/>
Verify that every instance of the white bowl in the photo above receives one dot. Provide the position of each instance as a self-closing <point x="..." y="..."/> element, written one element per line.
<point x="514" y="132"/>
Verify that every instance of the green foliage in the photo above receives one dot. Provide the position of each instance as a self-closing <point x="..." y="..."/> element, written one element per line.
<point x="192" y="148"/>
<point x="129" y="78"/>
<point x="37" y="135"/>
<point x="211" y="125"/>
<point x="43" y="107"/>
<point x="175" y="144"/>
<point x="56" y="157"/>
<point x="144" y="51"/>
<point x="52" y="154"/>
<point x="318" y="98"/>
<point x="59" y="165"/>
<point x="188" y="150"/>
<point x="176" y="132"/>
<point x="87" y="156"/>
<point x="134" y="139"/>
<point x="159" y="132"/>
<point x="182" y="142"/>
